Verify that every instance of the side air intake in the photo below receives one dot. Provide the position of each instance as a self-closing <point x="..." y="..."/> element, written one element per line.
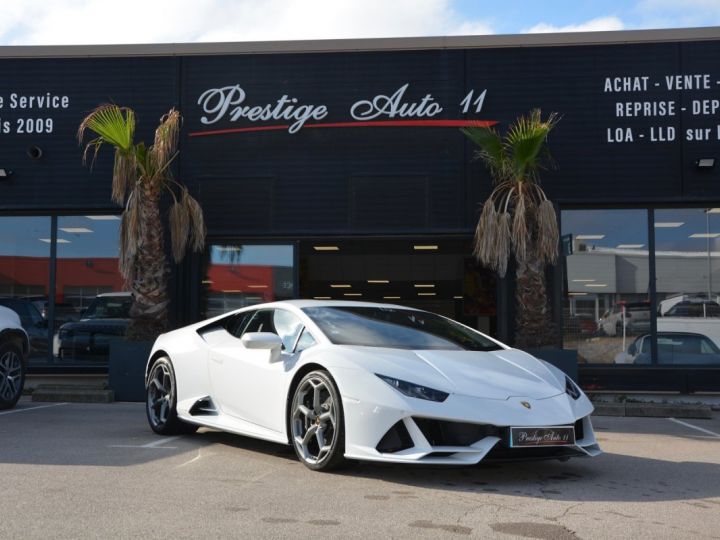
<point x="203" y="407"/>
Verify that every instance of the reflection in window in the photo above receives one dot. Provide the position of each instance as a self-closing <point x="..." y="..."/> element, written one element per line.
<point x="91" y="309"/>
<point x="686" y="254"/>
<point x="24" y="277"/>
<point x="606" y="304"/>
<point x="239" y="275"/>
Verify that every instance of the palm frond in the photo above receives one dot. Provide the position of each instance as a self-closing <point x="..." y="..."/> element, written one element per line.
<point x="491" y="150"/>
<point x="165" y="145"/>
<point x="124" y="175"/>
<point x="525" y="141"/>
<point x="115" y="125"/>
<point x="484" y="244"/>
<point x="198" y="230"/>
<point x="520" y="227"/>
<point x="548" y="234"/>
<point x="501" y="253"/>
<point x="129" y="238"/>
<point x="179" y="229"/>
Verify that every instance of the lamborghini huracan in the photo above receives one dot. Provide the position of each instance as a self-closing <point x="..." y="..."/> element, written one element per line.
<point x="362" y="381"/>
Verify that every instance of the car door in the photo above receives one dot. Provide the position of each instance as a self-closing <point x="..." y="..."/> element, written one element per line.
<point x="249" y="383"/>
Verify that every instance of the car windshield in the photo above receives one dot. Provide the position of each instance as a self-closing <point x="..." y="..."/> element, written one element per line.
<point x="109" y="307"/>
<point x="396" y="328"/>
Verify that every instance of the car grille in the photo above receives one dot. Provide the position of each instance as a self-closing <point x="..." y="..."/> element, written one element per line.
<point x="445" y="433"/>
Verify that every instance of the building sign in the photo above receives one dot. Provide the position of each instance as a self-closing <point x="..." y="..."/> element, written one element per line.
<point x="656" y="98"/>
<point x="23" y="114"/>
<point x="231" y="103"/>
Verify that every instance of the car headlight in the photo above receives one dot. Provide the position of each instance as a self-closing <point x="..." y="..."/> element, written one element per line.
<point x="571" y="388"/>
<point x="414" y="390"/>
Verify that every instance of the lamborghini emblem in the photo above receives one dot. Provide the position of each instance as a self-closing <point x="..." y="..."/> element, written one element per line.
<point x="526" y="404"/>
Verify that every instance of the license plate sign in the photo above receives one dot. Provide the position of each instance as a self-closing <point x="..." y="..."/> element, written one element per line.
<point x="542" y="436"/>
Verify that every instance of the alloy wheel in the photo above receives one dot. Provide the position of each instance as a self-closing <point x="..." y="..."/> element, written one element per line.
<point x="10" y="375"/>
<point x="160" y="394"/>
<point x="314" y="420"/>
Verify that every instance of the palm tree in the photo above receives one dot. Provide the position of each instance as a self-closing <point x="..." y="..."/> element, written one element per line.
<point x="140" y="176"/>
<point x="518" y="219"/>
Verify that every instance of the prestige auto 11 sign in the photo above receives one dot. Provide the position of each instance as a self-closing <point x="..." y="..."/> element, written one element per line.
<point x="394" y="109"/>
<point x="30" y="113"/>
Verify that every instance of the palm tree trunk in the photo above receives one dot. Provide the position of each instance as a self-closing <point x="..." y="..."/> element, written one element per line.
<point x="149" y="283"/>
<point x="535" y="327"/>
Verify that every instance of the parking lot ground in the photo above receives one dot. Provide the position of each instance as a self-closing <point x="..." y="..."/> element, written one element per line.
<point x="97" y="471"/>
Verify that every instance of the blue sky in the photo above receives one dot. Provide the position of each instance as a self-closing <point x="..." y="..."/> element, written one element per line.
<point x="39" y="22"/>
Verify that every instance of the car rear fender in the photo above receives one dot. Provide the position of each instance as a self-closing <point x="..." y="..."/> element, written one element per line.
<point x="15" y="334"/>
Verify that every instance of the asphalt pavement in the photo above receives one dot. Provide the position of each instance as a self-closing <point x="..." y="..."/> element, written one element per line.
<point x="97" y="471"/>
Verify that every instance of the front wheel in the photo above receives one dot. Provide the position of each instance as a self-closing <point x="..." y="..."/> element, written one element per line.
<point x="316" y="422"/>
<point x="12" y="374"/>
<point x="161" y="401"/>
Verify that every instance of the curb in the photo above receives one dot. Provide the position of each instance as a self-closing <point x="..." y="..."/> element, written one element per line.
<point x="653" y="410"/>
<point x="72" y="394"/>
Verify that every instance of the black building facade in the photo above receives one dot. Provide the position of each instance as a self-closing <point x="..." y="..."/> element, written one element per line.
<point x="337" y="170"/>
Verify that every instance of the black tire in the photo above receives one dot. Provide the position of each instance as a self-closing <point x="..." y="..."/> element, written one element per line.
<point x="161" y="400"/>
<point x="12" y="373"/>
<point x="328" y="405"/>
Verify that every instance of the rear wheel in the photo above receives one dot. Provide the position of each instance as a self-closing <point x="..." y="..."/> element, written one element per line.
<point x="316" y="422"/>
<point x="161" y="401"/>
<point x="12" y="374"/>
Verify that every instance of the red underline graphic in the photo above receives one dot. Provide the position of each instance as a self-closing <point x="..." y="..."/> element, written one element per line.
<point x="368" y="123"/>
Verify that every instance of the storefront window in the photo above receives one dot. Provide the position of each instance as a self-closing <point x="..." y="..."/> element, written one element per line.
<point x="687" y="246"/>
<point x="239" y="275"/>
<point x="24" y="277"/>
<point x="606" y="301"/>
<point x="91" y="308"/>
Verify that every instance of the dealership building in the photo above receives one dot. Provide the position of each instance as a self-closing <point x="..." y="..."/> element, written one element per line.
<point x="337" y="169"/>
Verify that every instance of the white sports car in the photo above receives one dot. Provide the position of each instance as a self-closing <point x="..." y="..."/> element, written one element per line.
<point x="356" y="380"/>
<point x="14" y="346"/>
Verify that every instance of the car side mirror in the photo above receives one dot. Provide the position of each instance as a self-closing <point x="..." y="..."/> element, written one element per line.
<point x="632" y="350"/>
<point x="261" y="340"/>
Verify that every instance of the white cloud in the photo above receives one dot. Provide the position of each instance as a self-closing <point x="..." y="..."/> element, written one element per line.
<point x="38" y="22"/>
<point x="593" y="25"/>
<point x="673" y="14"/>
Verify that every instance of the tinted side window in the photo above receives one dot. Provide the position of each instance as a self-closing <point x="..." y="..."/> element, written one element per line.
<point x="261" y="321"/>
<point x="236" y="324"/>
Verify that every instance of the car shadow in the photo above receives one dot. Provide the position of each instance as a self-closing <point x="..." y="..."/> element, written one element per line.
<point x="117" y="435"/>
<point x="655" y="426"/>
<point x="609" y="477"/>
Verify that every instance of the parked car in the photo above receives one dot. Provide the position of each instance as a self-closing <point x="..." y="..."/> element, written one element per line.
<point x="106" y="319"/>
<point x="634" y="315"/>
<point x="64" y="311"/>
<point x="14" y="347"/>
<point x="668" y="303"/>
<point x="673" y="348"/>
<point x="694" y="308"/>
<point x="32" y="321"/>
<point x="357" y="380"/>
<point x="580" y="324"/>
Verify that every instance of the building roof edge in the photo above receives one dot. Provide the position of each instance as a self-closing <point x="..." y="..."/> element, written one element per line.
<point x="366" y="44"/>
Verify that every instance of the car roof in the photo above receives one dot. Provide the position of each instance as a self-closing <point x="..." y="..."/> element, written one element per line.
<point x="306" y="303"/>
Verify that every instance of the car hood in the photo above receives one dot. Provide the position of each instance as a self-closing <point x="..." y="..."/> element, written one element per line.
<point x="492" y="375"/>
<point x="116" y="326"/>
<point x="9" y="319"/>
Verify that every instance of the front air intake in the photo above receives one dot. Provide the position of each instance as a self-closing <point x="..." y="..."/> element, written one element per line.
<point x="396" y="439"/>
